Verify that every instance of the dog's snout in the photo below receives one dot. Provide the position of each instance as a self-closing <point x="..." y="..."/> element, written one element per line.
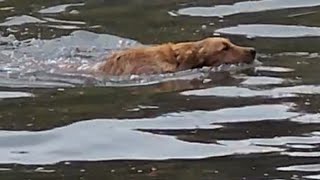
<point x="252" y="52"/>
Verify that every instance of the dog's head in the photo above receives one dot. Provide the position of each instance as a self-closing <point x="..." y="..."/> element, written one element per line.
<point x="216" y="51"/>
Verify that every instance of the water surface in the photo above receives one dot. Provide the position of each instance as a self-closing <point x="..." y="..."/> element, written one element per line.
<point x="231" y="122"/>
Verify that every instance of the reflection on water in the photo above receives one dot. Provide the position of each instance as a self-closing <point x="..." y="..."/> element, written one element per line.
<point x="114" y="139"/>
<point x="246" y="92"/>
<point x="10" y="94"/>
<point x="19" y="20"/>
<point x="256" y="121"/>
<point x="59" y="8"/>
<point x="247" y="7"/>
<point x="270" y="30"/>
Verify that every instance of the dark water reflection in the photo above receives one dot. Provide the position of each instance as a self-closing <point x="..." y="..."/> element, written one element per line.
<point x="236" y="123"/>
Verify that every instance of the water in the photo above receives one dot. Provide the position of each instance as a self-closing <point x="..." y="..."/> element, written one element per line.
<point x="231" y="122"/>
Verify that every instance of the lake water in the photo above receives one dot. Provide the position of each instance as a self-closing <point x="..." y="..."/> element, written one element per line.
<point x="240" y="122"/>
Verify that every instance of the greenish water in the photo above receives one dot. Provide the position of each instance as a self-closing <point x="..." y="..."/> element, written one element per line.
<point x="253" y="123"/>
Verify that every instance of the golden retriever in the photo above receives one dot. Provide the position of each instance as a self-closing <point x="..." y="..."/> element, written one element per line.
<point x="170" y="57"/>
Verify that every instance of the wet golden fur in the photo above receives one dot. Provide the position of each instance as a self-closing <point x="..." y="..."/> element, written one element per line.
<point x="172" y="57"/>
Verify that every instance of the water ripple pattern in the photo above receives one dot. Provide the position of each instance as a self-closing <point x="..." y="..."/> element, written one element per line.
<point x="257" y="121"/>
<point x="246" y="7"/>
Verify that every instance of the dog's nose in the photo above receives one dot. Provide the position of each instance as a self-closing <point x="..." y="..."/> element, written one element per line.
<point x="253" y="52"/>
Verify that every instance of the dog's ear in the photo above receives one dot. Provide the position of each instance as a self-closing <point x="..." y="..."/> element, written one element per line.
<point x="213" y="45"/>
<point x="186" y="55"/>
<point x="208" y="49"/>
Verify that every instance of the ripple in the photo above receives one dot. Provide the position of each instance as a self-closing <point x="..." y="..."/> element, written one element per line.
<point x="102" y="142"/>
<point x="301" y="146"/>
<point x="246" y="7"/>
<point x="301" y="168"/>
<point x="22" y="83"/>
<point x="303" y="89"/>
<point x="271" y="30"/>
<point x="257" y="113"/>
<point x="302" y="154"/>
<point x="274" y="69"/>
<point x="10" y="94"/>
<point x="263" y="80"/>
<point x="69" y="27"/>
<point x="233" y="91"/>
<point x="308" y="119"/>
<point x="101" y="148"/>
<point x="285" y="141"/>
<point x="230" y="91"/>
<point x="19" y="20"/>
<point x="59" y="8"/>
<point x="5" y="169"/>
<point x="113" y="139"/>
<point x="190" y="74"/>
<point x="63" y="21"/>
<point x="8" y="8"/>
<point x="312" y="177"/>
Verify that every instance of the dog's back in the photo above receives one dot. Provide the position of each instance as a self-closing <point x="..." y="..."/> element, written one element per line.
<point x="143" y="60"/>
